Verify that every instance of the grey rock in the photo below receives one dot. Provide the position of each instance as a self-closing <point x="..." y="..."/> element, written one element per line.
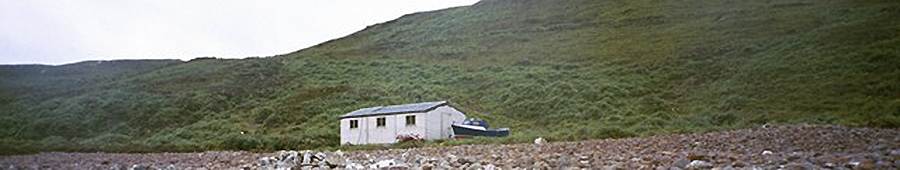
<point x="395" y="167"/>
<point x="681" y="163"/>
<point x="794" y="156"/>
<point x="323" y="165"/>
<point x="383" y="164"/>
<point x="489" y="167"/>
<point x="475" y="166"/>
<point x="829" y="165"/>
<point x="336" y="160"/>
<point x="307" y="158"/>
<point x="699" y="164"/>
<point x="266" y="161"/>
<point x="288" y="156"/>
<point x="465" y="160"/>
<point x="142" y="167"/>
<point x="799" y="166"/>
<point x="354" y="166"/>
<point x="319" y="156"/>
<point x="170" y="167"/>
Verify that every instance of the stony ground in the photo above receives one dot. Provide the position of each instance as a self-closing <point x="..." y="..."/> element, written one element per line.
<point x="776" y="147"/>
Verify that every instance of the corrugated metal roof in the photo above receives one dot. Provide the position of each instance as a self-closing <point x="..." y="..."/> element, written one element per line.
<point x="395" y="109"/>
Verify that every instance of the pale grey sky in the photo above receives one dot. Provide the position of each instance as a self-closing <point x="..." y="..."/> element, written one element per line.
<point x="67" y="31"/>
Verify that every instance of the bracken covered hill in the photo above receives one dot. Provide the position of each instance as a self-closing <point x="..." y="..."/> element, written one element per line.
<point x="561" y="69"/>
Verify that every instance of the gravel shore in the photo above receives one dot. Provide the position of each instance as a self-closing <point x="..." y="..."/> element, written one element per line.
<point x="775" y="147"/>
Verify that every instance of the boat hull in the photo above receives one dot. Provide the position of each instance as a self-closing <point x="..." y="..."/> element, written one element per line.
<point x="468" y="131"/>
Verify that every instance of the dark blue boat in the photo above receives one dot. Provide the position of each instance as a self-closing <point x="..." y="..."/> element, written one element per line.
<point x="477" y="127"/>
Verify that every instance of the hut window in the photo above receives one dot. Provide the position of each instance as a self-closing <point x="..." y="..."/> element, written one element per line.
<point x="380" y="122"/>
<point x="410" y="120"/>
<point x="354" y="124"/>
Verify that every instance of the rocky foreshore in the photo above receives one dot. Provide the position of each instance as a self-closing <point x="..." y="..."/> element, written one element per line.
<point x="770" y="147"/>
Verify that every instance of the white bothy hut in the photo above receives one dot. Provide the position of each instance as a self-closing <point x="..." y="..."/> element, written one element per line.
<point x="378" y="125"/>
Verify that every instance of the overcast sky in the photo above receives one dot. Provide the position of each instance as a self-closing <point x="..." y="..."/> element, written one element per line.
<point x="64" y="31"/>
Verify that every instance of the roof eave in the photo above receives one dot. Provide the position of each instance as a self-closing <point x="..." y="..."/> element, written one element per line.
<point x="444" y="103"/>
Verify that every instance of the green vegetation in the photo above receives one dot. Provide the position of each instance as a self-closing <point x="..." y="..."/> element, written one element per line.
<point x="563" y="70"/>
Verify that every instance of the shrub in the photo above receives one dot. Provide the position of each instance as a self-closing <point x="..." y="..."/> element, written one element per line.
<point x="241" y="142"/>
<point x="611" y="132"/>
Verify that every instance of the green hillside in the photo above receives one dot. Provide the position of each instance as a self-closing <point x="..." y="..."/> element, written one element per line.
<point x="563" y="69"/>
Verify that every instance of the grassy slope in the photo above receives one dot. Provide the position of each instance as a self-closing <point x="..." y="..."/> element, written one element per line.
<point x="566" y="69"/>
<point x="790" y="61"/>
